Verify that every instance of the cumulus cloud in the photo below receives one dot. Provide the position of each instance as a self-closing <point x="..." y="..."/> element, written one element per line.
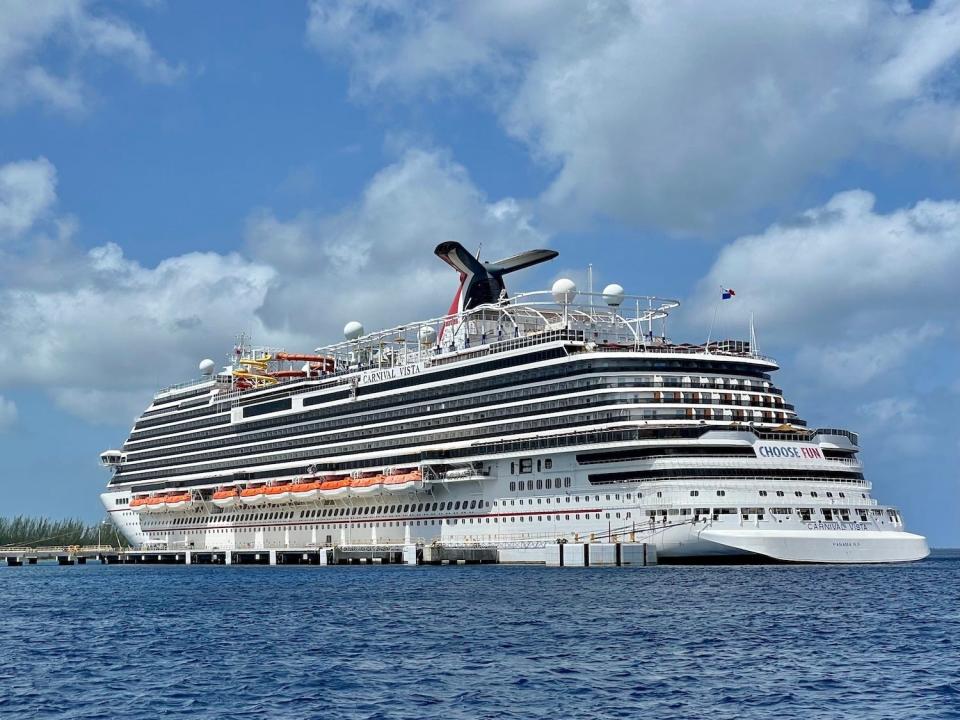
<point x="861" y="289"/>
<point x="113" y="323"/>
<point x="680" y="115"/>
<point x="27" y="190"/>
<point x="99" y="331"/>
<point x="845" y="265"/>
<point x="8" y="413"/>
<point x="32" y="34"/>
<point x="900" y="421"/>
<point x="372" y="261"/>
<point x="857" y="363"/>
<point x="96" y="328"/>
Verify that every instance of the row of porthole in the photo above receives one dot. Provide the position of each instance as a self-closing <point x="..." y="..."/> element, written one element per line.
<point x="452" y="521"/>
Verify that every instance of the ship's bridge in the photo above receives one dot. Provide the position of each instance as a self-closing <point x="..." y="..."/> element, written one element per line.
<point x="112" y="458"/>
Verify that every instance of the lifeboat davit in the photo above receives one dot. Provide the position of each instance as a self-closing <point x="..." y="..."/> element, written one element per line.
<point x="277" y="493"/>
<point x="179" y="501"/>
<point x="404" y="482"/>
<point x="335" y="488"/>
<point x="139" y="504"/>
<point x="366" y="485"/>
<point x="252" y="496"/>
<point x="305" y="492"/>
<point x="226" y="497"/>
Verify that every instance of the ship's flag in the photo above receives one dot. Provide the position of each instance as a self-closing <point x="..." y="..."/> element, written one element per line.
<point x="727" y="293"/>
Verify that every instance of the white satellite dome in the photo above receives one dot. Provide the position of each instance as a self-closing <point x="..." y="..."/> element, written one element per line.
<point x="564" y="291"/>
<point x="206" y="366"/>
<point x="613" y="295"/>
<point x="428" y="335"/>
<point x="352" y="330"/>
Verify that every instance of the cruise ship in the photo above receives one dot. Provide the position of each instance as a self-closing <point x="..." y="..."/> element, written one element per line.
<point x="542" y="417"/>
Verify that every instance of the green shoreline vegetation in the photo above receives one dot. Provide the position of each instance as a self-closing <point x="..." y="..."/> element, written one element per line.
<point x="24" y="531"/>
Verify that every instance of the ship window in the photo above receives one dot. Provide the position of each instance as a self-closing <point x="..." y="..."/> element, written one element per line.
<point x="813" y="493"/>
<point x="526" y="466"/>
<point x="694" y="493"/>
<point x="520" y="486"/>
<point x="763" y="493"/>
<point x="548" y="483"/>
<point x="513" y="486"/>
<point x="456" y="505"/>
<point x="548" y="464"/>
<point x="539" y="484"/>
<point x="473" y="504"/>
<point x="829" y="494"/>
<point x="539" y="465"/>
<point x="513" y="468"/>
<point x="721" y="493"/>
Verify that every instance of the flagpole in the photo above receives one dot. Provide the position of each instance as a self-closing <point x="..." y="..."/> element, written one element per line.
<point x="716" y="309"/>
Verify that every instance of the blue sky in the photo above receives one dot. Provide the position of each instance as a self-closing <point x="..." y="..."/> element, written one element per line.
<point x="172" y="174"/>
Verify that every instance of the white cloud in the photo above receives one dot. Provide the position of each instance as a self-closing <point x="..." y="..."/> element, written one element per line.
<point x="27" y="190"/>
<point x="850" y="364"/>
<point x="102" y="406"/>
<point x="680" y="115"/>
<point x="100" y="331"/>
<point x="373" y="261"/>
<point x="8" y="413"/>
<point x="891" y="410"/>
<point x="858" y="290"/>
<point x="33" y="33"/>
<point x="114" y="324"/>
<point x="899" y="421"/>
<point x="844" y="265"/>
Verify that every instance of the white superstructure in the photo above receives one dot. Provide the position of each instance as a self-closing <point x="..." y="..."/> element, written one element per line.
<point x="546" y="417"/>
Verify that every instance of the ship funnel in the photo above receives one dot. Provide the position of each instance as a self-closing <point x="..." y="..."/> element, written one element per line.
<point x="482" y="282"/>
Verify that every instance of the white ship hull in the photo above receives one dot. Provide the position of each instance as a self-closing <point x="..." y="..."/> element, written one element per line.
<point x="579" y="513"/>
<point x="511" y="421"/>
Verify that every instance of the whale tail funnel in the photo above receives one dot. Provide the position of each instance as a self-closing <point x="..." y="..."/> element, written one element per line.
<point x="482" y="282"/>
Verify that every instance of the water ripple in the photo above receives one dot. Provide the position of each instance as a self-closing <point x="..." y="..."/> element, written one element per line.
<point x="480" y="642"/>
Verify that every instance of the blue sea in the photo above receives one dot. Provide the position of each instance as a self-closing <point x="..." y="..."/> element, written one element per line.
<point x="481" y="642"/>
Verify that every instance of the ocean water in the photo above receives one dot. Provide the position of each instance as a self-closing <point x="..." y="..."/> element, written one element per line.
<point x="481" y="642"/>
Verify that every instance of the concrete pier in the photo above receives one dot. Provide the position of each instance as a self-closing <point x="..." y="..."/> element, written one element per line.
<point x="600" y="555"/>
<point x="550" y="554"/>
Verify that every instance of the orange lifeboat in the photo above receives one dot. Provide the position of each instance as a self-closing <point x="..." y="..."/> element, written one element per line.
<point x="252" y="496"/>
<point x="335" y="488"/>
<point x="404" y="482"/>
<point x="366" y="485"/>
<point x="139" y="504"/>
<point x="277" y="493"/>
<point x="305" y="491"/>
<point x="179" y="501"/>
<point x="157" y="503"/>
<point x="226" y="497"/>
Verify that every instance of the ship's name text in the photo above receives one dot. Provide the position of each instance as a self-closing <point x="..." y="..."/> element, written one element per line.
<point x="837" y="525"/>
<point x="401" y="371"/>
